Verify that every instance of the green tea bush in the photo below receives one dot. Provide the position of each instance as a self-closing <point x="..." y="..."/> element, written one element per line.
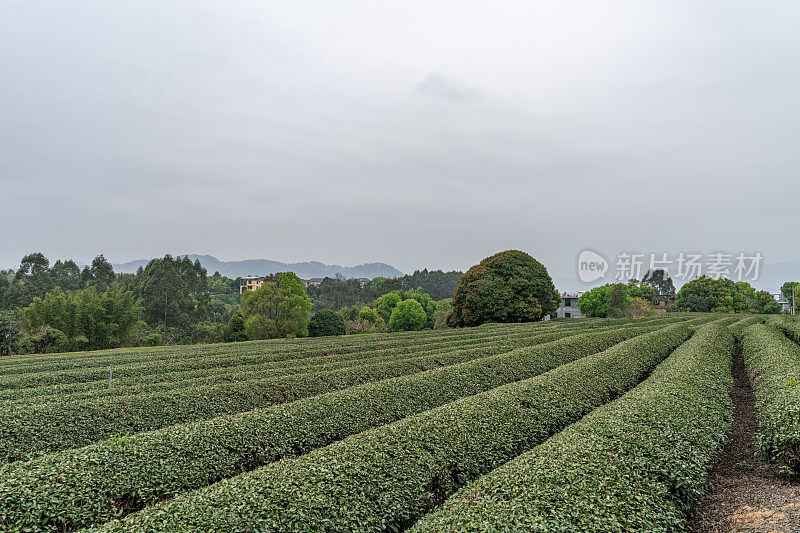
<point x="153" y="376"/>
<point x="30" y="430"/>
<point x="384" y="478"/>
<point x="773" y="365"/>
<point x="109" y="478"/>
<point x="636" y="464"/>
<point x="738" y="327"/>
<point x="173" y="381"/>
<point x="787" y="325"/>
<point x="186" y="360"/>
<point x="777" y="320"/>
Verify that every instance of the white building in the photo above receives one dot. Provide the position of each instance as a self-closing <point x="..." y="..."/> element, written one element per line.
<point x="781" y="299"/>
<point x="569" y="306"/>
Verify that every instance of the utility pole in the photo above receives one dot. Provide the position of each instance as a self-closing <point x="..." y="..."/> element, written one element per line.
<point x="794" y="286"/>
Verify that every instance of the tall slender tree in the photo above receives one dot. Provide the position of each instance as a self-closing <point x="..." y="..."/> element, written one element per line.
<point x="102" y="273"/>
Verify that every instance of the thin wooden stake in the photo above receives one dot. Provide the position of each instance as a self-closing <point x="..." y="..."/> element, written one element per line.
<point x="110" y="372"/>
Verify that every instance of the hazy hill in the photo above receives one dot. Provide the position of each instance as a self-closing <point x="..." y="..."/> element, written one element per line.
<point x="261" y="267"/>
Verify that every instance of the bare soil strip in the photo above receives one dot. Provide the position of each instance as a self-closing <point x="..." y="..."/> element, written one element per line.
<point x="748" y="495"/>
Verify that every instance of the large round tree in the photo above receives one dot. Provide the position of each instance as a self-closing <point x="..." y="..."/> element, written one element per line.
<point x="509" y="286"/>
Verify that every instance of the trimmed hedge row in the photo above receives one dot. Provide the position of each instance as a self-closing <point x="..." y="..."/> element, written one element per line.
<point x="711" y="318"/>
<point x="276" y="349"/>
<point x="738" y="327"/>
<point x="787" y="325"/>
<point x="251" y="371"/>
<point x="636" y="464"/>
<point x="185" y="360"/>
<point x="776" y="320"/>
<point x="773" y="365"/>
<point x="385" y="478"/>
<point x="174" y="381"/>
<point x="21" y="363"/>
<point x="728" y="320"/>
<point x="113" y="477"/>
<point x="180" y="362"/>
<point x="28" y="431"/>
<point x="282" y="348"/>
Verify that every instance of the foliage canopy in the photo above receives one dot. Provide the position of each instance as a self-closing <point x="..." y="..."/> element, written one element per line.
<point x="326" y="322"/>
<point x="509" y="286"/>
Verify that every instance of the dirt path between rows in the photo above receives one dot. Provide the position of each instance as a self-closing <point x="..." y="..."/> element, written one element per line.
<point x="747" y="495"/>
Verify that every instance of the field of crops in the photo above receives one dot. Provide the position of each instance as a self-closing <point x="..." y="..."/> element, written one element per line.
<point x="568" y="425"/>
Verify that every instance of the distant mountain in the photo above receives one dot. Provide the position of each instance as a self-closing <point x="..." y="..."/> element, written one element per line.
<point x="262" y="267"/>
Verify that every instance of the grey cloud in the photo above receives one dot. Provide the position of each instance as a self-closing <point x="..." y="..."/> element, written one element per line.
<point x="441" y="88"/>
<point x="259" y="130"/>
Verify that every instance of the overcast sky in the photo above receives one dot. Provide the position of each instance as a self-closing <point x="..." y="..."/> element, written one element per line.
<point x="417" y="133"/>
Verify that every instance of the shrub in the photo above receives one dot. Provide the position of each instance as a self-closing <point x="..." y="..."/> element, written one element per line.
<point x="386" y="304"/>
<point x="45" y="339"/>
<point x="789" y="326"/>
<point x="738" y="327"/>
<point x="44" y="427"/>
<point x="443" y="308"/>
<point x="407" y="315"/>
<point x="639" y="307"/>
<point x="85" y="376"/>
<point x="90" y="369"/>
<point x="368" y="314"/>
<point x="101" y="475"/>
<point x="384" y="478"/>
<point x="773" y="365"/>
<point x="636" y="464"/>
<point x="509" y="286"/>
<point x="325" y="323"/>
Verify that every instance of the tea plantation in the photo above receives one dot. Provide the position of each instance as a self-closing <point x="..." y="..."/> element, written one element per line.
<point x="565" y="425"/>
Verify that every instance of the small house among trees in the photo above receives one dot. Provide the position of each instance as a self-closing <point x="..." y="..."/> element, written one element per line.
<point x="568" y="308"/>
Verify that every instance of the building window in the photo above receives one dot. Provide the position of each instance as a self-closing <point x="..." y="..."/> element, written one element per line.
<point x="567" y="315"/>
<point x="567" y="302"/>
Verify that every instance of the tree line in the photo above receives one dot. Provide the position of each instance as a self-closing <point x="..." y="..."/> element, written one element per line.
<point x="702" y="294"/>
<point x="172" y="300"/>
<point x="337" y="293"/>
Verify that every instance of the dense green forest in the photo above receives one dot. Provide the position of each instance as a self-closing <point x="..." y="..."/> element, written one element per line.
<point x="55" y="307"/>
